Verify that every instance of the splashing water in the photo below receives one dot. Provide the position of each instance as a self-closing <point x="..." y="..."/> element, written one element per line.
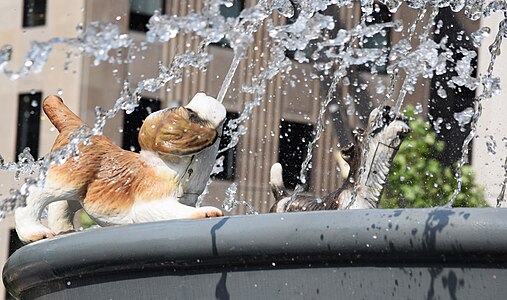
<point x="231" y="202"/>
<point x="491" y="145"/>
<point x="442" y="93"/>
<point x="330" y="54"/>
<point x="500" y="200"/>
<point x="464" y="117"/>
<point x="488" y="91"/>
<point x="480" y="35"/>
<point x="97" y="41"/>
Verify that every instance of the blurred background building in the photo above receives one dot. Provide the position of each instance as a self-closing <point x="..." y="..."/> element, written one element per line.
<point x="280" y="127"/>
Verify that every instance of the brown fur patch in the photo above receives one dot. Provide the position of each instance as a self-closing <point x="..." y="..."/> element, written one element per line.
<point x="176" y="131"/>
<point x="60" y="115"/>
<point x="108" y="179"/>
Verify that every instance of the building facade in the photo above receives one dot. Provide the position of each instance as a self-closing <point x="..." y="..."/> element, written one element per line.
<point x="278" y="130"/>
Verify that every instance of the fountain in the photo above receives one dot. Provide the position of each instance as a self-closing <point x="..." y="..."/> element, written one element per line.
<point x="438" y="252"/>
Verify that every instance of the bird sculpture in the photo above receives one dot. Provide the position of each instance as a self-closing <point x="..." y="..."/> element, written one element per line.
<point x="115" y="186"/>
<point x="361" y="189"/>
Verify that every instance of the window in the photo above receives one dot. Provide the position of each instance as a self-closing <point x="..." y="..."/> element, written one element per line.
<point x="381" y="40"/>
<point x="132" y="123"/>
<point x="234" y="10"/>
<point x="230" y="155"/>
<point x="34" y="13"/>
<point x="141" y="11"/>
<point x="456" y="99"/>
<point x="230" y="12"/>
<point x="14" y="244"/>
<point x="294" y="139"/>
<point x="29" y="111"/>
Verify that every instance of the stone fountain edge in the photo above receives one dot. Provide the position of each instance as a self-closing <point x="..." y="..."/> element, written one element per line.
<point x="379" y="237"/>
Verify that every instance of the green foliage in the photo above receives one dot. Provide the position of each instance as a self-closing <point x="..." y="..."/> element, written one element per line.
<point x="84" y="219"/>
<point x="418" y="179"/>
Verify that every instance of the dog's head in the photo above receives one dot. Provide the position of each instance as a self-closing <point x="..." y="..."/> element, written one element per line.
<point x="183" y="130"/>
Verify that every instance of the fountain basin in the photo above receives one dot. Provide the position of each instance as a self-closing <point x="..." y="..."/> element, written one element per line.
<point x="365" y="254"/>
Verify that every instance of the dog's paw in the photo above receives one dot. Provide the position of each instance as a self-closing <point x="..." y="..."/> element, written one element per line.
<point x="208" y="212"/>
<point x="33" y="233"/>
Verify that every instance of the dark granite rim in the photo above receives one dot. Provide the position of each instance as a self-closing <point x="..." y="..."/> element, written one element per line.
<point x="371" y="237"/>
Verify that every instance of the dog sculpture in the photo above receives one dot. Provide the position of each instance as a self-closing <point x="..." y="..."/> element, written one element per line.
<point x="382" y="138"/>
<point x="115" y="186"/>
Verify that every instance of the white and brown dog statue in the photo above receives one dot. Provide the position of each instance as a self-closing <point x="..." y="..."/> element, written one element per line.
<point x="115" y="186"/>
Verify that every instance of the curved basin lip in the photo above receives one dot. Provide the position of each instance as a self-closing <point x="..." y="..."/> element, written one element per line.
<point x="375" y="233"/>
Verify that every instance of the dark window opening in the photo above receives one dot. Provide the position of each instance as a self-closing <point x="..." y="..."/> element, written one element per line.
<point x="132" y="123"/>
<point x="381" y="40"/>
<point x="294" y="139"/>
<point x="230" y="12"/>
<point x="29" y="111"/>
<point x="141" y="12"/>
<point x="14" y="244"/>
<point x="234" y="10"/>
<point x="457" y="99"/>
<point x="34" y="13"/>
<point x="229" y="172"/>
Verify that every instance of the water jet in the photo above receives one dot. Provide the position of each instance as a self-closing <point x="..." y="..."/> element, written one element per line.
<point x="438" y="252"/>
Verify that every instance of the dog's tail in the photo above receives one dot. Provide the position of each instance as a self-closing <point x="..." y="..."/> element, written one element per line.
<point x="60" y="115"/>
<point x="276" y="182"/>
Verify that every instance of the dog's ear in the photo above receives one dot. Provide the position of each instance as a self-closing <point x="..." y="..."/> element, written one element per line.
<point x="176" y="131"/>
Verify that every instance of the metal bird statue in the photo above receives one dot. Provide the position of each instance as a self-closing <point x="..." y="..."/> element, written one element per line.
<point x="381" y="139"/>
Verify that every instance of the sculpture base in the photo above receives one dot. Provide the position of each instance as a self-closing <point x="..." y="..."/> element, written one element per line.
<point x="366" y="254"/>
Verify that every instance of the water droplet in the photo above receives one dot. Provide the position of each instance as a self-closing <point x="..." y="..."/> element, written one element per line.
<point x="418" y="108"/>
<point x="464" y="117"/>
<point x="79" y="28"/>
<point x="480" y="35"/>
<point x="491" y="145"/>
<point x="442" y="93"/>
